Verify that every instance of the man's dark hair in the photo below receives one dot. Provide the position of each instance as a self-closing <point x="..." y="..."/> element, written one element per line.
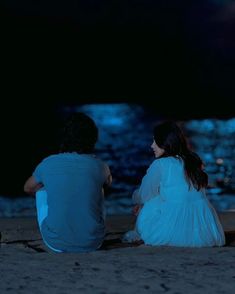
<point x="80" y="134"/>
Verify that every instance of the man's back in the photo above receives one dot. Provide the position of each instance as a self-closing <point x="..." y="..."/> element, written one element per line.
<point x="74" y="185"/>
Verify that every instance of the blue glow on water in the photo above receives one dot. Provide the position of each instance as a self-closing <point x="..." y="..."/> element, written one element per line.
<point x="230" y="126"/>
<point x="112" y="115"/>
<point x="125" y="136"/>
<point x="202" y="126"/>
<point x="113" y="121"/>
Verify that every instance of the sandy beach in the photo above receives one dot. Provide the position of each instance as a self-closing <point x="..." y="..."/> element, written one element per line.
<point x="27" y="266"/>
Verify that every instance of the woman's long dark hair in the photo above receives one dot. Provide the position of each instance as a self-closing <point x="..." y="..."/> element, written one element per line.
<point x="79" y="134"/>
<point x="169" y="136"/>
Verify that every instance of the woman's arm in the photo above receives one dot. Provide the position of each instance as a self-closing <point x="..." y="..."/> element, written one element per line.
<point x="150" y="184"/>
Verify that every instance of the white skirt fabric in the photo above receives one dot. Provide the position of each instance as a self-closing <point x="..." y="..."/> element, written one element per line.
<point x="194" y="224"/>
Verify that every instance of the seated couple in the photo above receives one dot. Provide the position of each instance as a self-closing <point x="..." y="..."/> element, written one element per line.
<point x="171" y="204"/>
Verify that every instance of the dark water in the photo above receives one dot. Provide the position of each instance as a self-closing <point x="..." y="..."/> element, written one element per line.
<point x="124" y="143"/>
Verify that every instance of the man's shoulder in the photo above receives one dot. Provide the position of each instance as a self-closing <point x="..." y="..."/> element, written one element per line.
<point x="68" y="158"/>
<point x="51" y="158"/>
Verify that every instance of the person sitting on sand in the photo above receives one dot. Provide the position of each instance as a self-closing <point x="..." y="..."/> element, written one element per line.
<point x="171" y="204"/>
<point x="69" y="189"/>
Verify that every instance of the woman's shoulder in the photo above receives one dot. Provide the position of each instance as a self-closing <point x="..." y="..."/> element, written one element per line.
<point x="157" y="163"/>
<point x="163" y="161"/>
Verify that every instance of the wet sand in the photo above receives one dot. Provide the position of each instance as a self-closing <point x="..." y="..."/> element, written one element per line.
<point x="27" y="266"/>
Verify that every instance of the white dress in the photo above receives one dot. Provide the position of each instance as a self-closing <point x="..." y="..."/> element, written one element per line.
<point x="174" y="214"/>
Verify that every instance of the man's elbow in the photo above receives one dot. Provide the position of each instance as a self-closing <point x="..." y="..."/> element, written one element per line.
<point x="28" y="190"/>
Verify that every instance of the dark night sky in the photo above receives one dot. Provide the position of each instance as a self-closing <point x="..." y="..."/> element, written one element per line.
<point x="57" y="52"/>
<point x="110" y="49"/>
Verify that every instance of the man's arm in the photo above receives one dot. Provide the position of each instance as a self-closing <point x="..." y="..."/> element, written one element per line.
<point x="31" y="186"/>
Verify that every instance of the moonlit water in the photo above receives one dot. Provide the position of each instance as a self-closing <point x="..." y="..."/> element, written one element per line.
<point x="125" y="136"/>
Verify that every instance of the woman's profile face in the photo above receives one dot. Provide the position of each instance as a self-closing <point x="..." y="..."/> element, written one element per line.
<point x="157" y="150"/>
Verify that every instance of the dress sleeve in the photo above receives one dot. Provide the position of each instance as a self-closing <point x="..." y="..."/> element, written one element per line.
<point x="150" y="184"/>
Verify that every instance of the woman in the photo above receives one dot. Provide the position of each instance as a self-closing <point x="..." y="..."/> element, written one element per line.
<point x="171" y="202"/>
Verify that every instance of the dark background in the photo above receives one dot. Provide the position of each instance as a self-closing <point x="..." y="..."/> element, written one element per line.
<point x="175" y="57"/>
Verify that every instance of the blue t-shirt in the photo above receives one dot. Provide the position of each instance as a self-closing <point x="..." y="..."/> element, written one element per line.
<point x="74" y="185"/>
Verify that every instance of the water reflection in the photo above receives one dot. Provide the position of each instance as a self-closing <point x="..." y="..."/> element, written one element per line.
<point x="214" y="141"/>
<point x="125" y="139"/>
<point x="125" y="136"/>
<point x="124" y="143"/>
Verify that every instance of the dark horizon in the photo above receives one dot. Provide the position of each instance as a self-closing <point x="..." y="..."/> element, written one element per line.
<point x="103" y="51"/>
<point x="28" y="137"/>
<point x="175" y="58"/>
